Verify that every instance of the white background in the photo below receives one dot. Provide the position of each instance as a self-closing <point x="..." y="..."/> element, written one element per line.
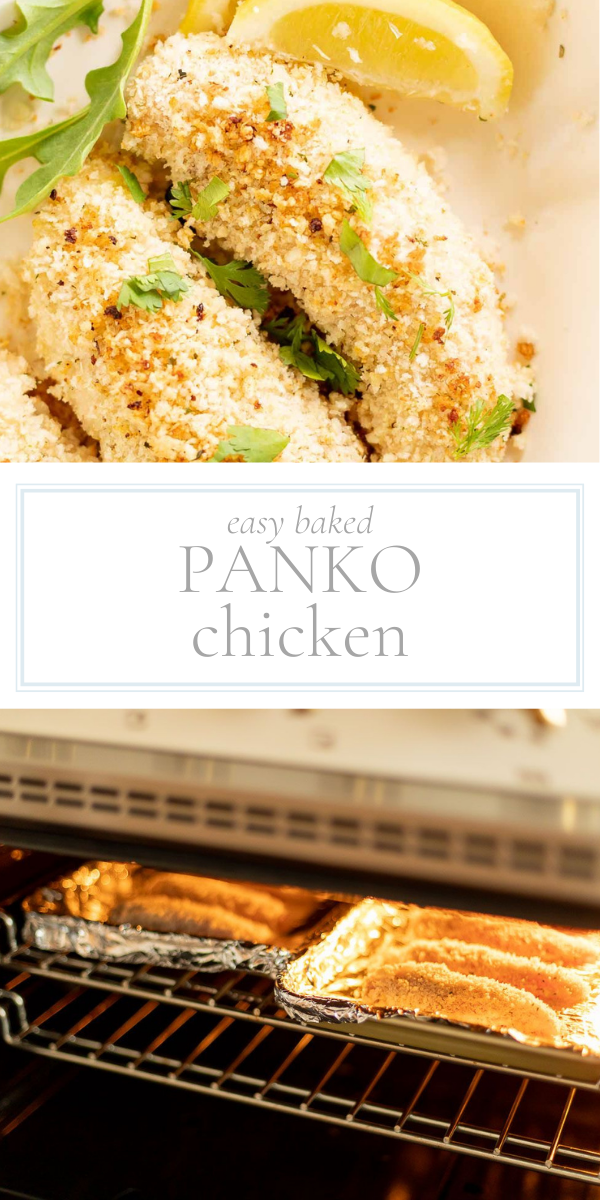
<point x="495" y="604"/>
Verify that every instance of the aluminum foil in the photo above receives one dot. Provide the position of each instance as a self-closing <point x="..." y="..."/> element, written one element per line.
<point x="324" y="985"/>
<point x="72" y="915"/>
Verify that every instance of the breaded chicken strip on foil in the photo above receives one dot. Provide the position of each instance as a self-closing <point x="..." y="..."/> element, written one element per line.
<point x="516" y="937"/>
<point x="434" y="991"/>
<point x="202" y="106"/>
<point x="557" y="986"/>
<point x="157" y="385"/>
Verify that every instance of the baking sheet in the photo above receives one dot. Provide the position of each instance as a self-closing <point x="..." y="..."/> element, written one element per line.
<point x="323" y="986"/>
<point x="72" y="915"/>
<point x="526" y="186"/>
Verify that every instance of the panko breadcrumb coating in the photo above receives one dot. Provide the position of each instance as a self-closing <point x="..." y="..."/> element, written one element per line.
<point x="435" y="991"/>
<point x="201" y="105"/>
<point x="162" y="386"/>
<point x="173" y="914"/>
<point x="557" y="986"/>
<point x="28" y="431"/>
<point x="257" y="903"/>
<point x="525" y="938"/>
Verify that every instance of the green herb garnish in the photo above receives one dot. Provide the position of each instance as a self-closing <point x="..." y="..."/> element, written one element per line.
<point x="366" y="267"/>
<point x="250" y="444"/>
<point x="345" y="173"/>
<point x="133" y="184"/>
<point x="529" y="405"/>
<point x="431" y="291"/>
<point x="206" y="205"/>
<point x="481" y="429"/>
<point x="321" y="363"/>
<point x="181" y="202"/>
<point x="26" y="45"/>
<point x="278" y="109"/>
<point x="238" y="281"/>
<point x="384" y="305"/>
<point x="63" y="148"/>
<point x="163" y="282"/>
<point x="417" y="342"/>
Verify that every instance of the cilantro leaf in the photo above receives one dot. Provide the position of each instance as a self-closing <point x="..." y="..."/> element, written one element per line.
<point x="25" y="46"/>
<point x="181" y="202"/>
<point x="480" y="428"/>
<point x="63" y="148"/>
<point x="345" y="173"/>
<point x="163" y="282"/>
<point x="366" y="267"/>
<point x="323" y="364"/>
<point x="428" y="290"/>
<point x="250" y="444"/>
<point x="210" y="197"/>
<point x="133" y="184"/>
<point x="417" y="342"/>
<point x="278" y="109"/>
<point x="238" y="281"/>
<point x="205" y="207"/>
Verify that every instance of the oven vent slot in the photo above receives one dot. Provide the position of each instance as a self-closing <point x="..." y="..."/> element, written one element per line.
<point x="579" y="862"/>
<point x="528" y="856"/>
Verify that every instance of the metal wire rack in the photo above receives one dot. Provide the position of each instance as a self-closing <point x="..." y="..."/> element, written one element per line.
<point x="224" y="1035"/>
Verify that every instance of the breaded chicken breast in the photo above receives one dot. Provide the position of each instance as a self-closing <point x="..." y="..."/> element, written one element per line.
<point x="557" y="986"/>
<point x="202" y="106"/>
<point x="525" y="938"/>
<point x="159" y="385"/>
<point x="435" y="991"/>
<point x="28" y="431"/>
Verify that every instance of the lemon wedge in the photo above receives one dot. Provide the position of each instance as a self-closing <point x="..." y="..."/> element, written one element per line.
<point x="208" y="16"/>
<point x="424" y="48"/>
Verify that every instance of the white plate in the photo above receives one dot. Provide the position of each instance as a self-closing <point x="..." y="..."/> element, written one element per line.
<point x="538" y="165"/>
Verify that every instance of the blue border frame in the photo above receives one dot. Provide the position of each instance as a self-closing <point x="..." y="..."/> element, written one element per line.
<point x="328" y="490"/>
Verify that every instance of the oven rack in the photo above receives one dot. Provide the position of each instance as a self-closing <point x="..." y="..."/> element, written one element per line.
<point x="224" y="1035"/>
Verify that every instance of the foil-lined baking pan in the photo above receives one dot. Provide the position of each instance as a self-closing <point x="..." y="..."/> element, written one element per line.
<point x="323" y="985"/>
<point x="76" y="914"/>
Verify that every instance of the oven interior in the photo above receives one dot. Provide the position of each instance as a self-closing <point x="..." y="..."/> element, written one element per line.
<point x="114" y="1074"/>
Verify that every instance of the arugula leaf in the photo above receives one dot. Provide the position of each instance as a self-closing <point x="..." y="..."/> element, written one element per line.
<point x="181" y="202"/>
<point x="238" y="281"/>
<point x="251" y="445"/>
<point x="278" y="109"/>
<point x="417" y="342"/>
<point x="25" y="46"/>
<point x="133" y="184"/>
<point x="210" y="197"/>
<point x="366" y="267"/>
<point x="324" y="364"/>
<point x="63" y="148"/>
<point x="345" y="173"/>
<point x="163" y="282"/>
<point x="481" y="429"/>
<point x="529" y="405"/>
<point x="431" y="291"/>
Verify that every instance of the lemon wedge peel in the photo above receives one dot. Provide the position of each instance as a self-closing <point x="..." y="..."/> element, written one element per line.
<point x="424" y="48"/>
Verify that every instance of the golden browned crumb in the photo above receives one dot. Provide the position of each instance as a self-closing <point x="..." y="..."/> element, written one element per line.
<point x="284" y="215"/>
<point x="166" y="385"/>
<point x="557" y="986"/>
<point x="517" y="937"/>
<point x="172" y="914"/>
<point x="435" y="991"/>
